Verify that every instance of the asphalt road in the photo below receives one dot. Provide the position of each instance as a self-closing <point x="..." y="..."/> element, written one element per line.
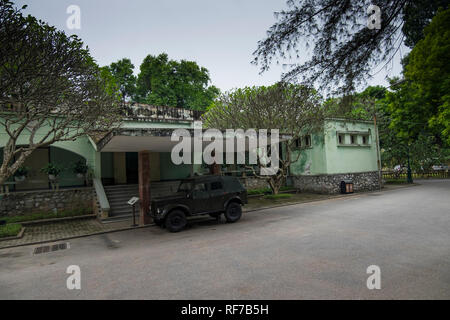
<point x="318" y="250"/>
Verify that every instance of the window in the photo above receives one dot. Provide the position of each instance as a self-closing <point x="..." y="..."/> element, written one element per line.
<point x="217" y="185"/>
<point x="200" y="187"/>
<point x="341" y="138"/>
<point x="352" y="139"/>
<point x="185" y="187"/>
<point x="365" y="139"/>
<point x="298" y="143"/>
<point x="307" y="141"/>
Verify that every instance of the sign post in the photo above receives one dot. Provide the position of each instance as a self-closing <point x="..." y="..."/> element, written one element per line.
<point x="132" y="202"/>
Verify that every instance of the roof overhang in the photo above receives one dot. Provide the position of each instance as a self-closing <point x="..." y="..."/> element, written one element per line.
<point x="157" y="140"/>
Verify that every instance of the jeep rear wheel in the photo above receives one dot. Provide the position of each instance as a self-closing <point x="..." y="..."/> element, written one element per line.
<point x="233" y="212"/>
<point x="175" y="221"/>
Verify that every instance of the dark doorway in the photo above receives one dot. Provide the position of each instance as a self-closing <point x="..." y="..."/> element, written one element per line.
<point x="131" y="159"/>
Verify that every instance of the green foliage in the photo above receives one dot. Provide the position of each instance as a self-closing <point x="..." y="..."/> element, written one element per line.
<point x="417" y="15"/>
<point x="22" y="172"/>
<point x="174" y="83"/>
<point x="48" y="215"/>
<point x="10" y="230"/>
<point x="122" y="72"/>
<point x="80" y="167"/>
<point x="52" y="169"/>
<point x="428" y="70"/>
<point x="359" y="106"/>
<point x="47" y="75"/>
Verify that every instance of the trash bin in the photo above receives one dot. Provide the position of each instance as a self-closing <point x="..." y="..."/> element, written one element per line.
<point x="346" y="186"/>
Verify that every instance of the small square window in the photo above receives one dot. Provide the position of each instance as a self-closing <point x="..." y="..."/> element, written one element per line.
<point x="353" y="139"/>
<point x="307" y="141"/>
<point x="365" y="139"/>
<point x="298" y="143"/>
<point x="341" y="138"/>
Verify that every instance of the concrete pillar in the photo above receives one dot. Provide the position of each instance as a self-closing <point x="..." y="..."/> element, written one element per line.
<point x="144" y="187"/>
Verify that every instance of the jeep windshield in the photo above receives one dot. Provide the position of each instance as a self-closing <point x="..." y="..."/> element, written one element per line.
<point x="185" y="186"/>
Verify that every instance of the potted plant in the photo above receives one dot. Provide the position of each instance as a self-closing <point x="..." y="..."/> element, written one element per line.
<point x="80" y="168"/>
<point x="52" y="170"/>
<point x="21" y="174"/>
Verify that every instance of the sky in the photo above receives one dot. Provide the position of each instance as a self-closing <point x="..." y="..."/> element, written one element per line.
<point x="220" y="35"/>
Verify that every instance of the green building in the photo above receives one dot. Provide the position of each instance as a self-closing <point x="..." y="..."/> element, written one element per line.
<point x="138" y="154"/>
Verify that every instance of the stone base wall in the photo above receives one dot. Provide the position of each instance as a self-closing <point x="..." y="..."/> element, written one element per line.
<point x="253" y="183"/>
<point x="330" y="183"/>
<point x="26" y="202"/>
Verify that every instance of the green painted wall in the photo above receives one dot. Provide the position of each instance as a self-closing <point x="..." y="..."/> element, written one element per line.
<point x="349" y="158"/>
<point x="327" y="156"/>
<point x="312" y="159"/>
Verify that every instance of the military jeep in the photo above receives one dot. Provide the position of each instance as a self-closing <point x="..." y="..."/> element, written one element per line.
<point x="201" y="195"/>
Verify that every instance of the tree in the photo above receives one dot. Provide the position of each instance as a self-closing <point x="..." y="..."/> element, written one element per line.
<point x="171" y="83"/>
<point x="344" y="49"/>
<point x="122" y="72"/>
<point x="50" y="88"/>
<point x="294" y="110"/>
<point x="428" y="72"/>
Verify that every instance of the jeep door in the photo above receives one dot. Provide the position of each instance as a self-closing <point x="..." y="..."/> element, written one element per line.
<point x="217" y="192"/>
<point x="200" y="197"/>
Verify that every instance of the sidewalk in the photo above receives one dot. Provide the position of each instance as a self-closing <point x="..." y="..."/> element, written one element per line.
<point x="63" y="230"/>
<point x="56" y="231"/>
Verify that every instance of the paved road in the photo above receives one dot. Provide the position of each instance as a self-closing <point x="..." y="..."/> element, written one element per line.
<point x="315" y="250"/>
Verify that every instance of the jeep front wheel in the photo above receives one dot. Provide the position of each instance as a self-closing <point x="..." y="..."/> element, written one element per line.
<point x="175" y="221"/>
<point x="233" y="212"/>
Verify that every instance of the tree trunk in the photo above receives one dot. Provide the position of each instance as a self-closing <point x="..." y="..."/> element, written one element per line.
<point x="276" y="182"/>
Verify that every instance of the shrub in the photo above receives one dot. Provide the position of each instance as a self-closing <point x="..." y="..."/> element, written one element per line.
<point x="51" y="168"/>
<point x="21" y="172"/>
<point x="80" y="167"/>
<point x="10" y="230"/>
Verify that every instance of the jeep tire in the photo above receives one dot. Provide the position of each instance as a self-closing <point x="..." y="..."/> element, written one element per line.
<point x="233" y="212"/>
<point x="175" y="221"/>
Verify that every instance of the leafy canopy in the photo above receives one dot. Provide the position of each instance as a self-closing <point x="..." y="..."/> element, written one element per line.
<point x="344" y="50"/>
<point x="50" y="88"/>
<point x="174" y="83"/>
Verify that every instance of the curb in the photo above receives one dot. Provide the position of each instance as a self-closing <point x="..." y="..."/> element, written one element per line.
<point x="43" y="221"/>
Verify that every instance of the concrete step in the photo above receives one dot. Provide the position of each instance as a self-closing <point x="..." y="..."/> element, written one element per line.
<point x="118" y="196"/>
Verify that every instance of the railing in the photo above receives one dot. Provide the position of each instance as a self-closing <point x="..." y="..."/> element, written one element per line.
<point x="439" y="174"/>
<point x="101" y="196"/>
<point x="137" y="111"/>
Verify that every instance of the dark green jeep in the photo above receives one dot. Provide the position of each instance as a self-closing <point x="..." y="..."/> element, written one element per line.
<point x="200" y="195"/>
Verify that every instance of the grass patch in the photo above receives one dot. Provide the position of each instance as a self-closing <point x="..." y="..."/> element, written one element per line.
<point x="48" y="215"/>
<point x="278" y="196"/>
<point x="10" y="230"/>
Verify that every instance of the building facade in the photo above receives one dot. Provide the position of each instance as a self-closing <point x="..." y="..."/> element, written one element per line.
<point x="135" y="160"/>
